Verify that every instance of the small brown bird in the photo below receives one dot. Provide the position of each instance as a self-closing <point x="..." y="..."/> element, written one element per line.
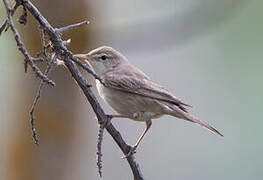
<point x="133" y="94"/>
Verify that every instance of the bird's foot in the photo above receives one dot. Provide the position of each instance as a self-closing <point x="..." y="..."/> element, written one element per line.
<point x="107" y="122"/>
<point x="131" y="152"/>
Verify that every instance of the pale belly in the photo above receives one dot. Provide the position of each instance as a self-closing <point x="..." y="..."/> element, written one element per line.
<point x="136" y="107"/>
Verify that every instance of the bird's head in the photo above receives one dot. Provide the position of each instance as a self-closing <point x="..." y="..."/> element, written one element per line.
<point x="102" y="59"/>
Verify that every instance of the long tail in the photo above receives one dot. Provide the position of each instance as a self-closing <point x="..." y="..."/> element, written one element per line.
<point x="176" y="112"/>
<point x="203" y="124"/>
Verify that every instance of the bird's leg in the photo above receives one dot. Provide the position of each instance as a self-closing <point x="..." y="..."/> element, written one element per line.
<point x="148" y="125"/>
<point x="118" y="116"/>
<point x="133" y="149"/>
<point x="110" y="117"/>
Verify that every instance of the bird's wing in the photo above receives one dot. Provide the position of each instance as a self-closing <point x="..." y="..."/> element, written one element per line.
<point x="136" y="82"/>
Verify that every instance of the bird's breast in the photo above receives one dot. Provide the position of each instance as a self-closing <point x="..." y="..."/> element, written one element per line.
<point x="101" y="89"/>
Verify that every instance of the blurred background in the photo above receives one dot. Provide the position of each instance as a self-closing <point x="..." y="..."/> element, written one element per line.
<point x="207" y="52"/>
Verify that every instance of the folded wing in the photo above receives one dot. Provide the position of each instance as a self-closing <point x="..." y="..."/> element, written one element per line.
<point x="136" y="82"/>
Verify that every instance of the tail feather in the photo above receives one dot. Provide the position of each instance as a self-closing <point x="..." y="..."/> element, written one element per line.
<point x="204" y="124"/>
<point x="179" y="113"/>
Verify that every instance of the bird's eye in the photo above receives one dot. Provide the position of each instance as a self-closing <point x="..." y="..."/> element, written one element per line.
<point x="103" y="57"/>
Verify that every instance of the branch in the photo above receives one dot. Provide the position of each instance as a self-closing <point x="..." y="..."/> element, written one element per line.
<point x="22" y="48"/>
<point x="59" y="48"/>
<point x="72" y="26"/>
<point x="37" y="97"/>
<point x="4" y="26"/>
<point x="99" y="153"/>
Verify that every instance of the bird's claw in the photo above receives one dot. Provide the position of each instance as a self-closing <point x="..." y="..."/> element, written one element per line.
<point x="107" y="122"/>
<point x="131" y="152"/>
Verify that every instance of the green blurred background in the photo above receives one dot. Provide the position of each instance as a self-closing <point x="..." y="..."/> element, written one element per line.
<point x="207" y="52"/>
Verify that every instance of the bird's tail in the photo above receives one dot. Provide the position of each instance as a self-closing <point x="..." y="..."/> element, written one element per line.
<point x="176" y="112"/>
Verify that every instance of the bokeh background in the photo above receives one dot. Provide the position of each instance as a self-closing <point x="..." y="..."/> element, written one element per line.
<point x="207" y="52"/>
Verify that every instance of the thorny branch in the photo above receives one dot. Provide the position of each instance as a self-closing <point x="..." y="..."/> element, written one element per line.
<point x="60" y="51"/>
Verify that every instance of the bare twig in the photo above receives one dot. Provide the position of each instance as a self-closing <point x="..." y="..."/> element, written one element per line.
<point x="72" y="26"/>
<point x="99" y="152"/>
<point x="5" y="25"/>
<point x="22" y="48"/>
<point x="37" y="59"/>
<point x="37" y="97"/>
<point x="34" y="60"/>
<point x="43" y="42"/>
<point x="41" y="52"/>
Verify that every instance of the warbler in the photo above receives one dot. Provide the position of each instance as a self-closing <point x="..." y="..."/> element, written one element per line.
<point x="131" y="93"/>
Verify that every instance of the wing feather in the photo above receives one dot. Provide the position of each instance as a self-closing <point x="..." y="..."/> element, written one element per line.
<point x="136" y="82"/>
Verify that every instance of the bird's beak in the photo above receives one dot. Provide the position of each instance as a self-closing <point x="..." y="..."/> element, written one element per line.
<point x="81" y="56"/>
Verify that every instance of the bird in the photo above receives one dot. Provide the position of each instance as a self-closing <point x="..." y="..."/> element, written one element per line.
<point x="131" y="93"/>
